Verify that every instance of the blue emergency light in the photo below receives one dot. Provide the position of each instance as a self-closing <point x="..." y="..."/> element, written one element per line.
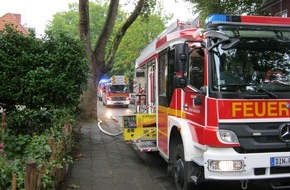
<point x="265" y="20"/>
<point x="104" y="80"/>
<point x="218" y="18"/>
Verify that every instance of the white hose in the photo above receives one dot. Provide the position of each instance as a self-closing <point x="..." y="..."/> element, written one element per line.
<point x="106" y="132"/>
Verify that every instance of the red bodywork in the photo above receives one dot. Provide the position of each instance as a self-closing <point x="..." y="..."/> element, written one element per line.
<point x="203" y="120"/>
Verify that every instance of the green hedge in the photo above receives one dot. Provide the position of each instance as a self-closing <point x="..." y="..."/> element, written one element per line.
<point x="47" y="72"/>
<point x="46" y="77"/>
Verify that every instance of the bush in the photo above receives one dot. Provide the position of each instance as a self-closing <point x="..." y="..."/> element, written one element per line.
<point x="5" y="173"/>
<point x="23" y="141"/>
<point x="51" y="72"/>
<point x="46" y="77"/>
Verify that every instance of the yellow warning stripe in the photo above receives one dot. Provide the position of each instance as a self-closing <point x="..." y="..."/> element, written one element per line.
<point x="169" y="111"/>
<point x="163" y="133"/>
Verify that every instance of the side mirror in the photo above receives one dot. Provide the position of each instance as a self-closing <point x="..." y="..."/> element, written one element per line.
<point x="179" y="82"/>
<point x="181" y="56"/>
<point x="182" y="82"/>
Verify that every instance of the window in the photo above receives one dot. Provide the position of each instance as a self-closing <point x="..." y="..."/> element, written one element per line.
<point x="162" y="77"/>
<point x="196" y="68"/>
<point x="162" y="74"/>
<point x="165" y="76"/>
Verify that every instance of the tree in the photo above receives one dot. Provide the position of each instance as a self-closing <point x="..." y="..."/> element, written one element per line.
<point x="143" y="31"/>
<point x="67" y="21"/>
<point x="238" y="7"/>
<point x="101" y="57"/>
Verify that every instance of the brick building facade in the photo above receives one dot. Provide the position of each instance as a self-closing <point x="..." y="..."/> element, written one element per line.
<point x="277" y="7"/>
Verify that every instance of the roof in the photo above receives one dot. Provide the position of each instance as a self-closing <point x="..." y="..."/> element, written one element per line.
<point x="14" y="20"/>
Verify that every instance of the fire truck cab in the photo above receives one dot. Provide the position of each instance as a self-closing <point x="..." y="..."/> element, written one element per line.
<point x="219" y="116"/>
<point x="116" y="92"/>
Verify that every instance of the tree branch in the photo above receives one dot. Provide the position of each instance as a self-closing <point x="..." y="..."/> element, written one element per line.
<point x="106" y="32"/>
<point x="121" y="32"/>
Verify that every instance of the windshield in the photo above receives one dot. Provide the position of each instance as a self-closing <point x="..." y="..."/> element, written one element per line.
<point x="259" y="62"/>
<point x="118" y="88"/>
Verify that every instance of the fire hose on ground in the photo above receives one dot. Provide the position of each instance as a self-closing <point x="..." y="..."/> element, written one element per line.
<point x="106" y="132"/>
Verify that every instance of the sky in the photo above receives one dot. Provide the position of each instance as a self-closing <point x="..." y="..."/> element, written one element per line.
<point x="37" y="13"/>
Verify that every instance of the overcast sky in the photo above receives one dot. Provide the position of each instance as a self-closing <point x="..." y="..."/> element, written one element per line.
<point x="37" y="13"/>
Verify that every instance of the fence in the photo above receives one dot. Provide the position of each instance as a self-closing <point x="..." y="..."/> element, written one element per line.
<point x="33" y="174"/>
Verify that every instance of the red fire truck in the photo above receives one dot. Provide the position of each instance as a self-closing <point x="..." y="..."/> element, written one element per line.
<point x="116" y="91"/>
<point x="218" y="114"/>
<point x="101" y="88"/>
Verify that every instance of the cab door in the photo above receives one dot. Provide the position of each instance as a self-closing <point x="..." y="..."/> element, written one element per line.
<point x="194" y="97"/>
<point x="164" y="93"/>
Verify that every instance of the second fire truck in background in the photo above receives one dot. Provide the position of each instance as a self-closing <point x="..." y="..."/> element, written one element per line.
<point x="116" y="91"/>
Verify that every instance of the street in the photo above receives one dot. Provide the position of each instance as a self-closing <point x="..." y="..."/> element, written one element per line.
<point x="158" y="167"/>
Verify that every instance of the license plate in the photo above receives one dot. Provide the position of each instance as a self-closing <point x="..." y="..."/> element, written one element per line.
<point x="280" y="161"/>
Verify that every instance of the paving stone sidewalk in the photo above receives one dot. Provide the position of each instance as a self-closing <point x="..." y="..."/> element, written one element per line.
<point x="108" y="163"/>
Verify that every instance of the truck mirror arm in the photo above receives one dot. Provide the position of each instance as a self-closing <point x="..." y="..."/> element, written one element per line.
<point x="181" y="82"/>
<point x="216" y="35"/>
<point x="202" y="90"/>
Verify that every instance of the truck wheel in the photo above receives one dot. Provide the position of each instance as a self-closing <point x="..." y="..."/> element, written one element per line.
<point x="181" y="170"/>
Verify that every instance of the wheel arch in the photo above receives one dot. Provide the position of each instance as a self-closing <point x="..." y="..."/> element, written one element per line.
<point x="180" y="133"/>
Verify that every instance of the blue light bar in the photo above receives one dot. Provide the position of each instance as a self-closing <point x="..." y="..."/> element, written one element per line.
<point x="218" y="18"/>
<point x="104" y="80"/>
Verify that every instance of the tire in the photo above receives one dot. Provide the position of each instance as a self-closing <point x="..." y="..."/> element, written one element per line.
<point x="181" y="170"/>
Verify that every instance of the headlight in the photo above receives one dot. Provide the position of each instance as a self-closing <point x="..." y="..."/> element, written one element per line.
<point x="226" y="165"/>
<point x="109" y="115"/>
<point x="227" y="136"/>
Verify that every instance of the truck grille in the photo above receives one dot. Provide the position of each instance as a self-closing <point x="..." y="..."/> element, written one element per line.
<point x="118" y="98"/>
<point x="257" y="137"/>
<point x="273" y="170"/>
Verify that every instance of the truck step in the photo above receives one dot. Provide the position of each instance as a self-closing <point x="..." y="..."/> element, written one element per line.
<point x="146" y="146"/>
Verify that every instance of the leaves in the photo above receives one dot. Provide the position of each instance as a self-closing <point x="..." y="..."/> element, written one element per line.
<point x="235" y="7"/>
<point x="137" y="37"/>
<point x="48" y="72"/>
